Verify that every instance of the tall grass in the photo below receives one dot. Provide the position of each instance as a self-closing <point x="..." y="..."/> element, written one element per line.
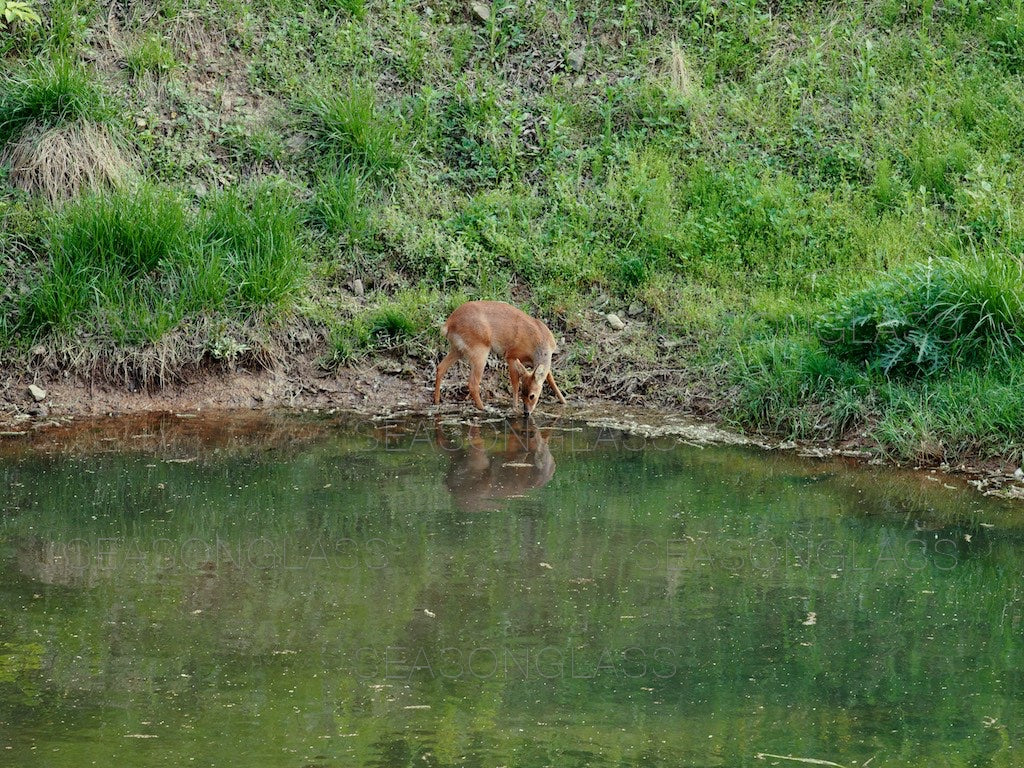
<point x="133" y="264"/>
<point x="339" y="205"/>
<point x="255" y="232"/>
<point x="926" y="317"/>
<point x="49" y="92"/>
<point x="348" y="129"/>
<point x="100" y="248"/>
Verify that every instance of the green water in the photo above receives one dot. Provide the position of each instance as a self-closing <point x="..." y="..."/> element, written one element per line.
<point x="321" y="592"/>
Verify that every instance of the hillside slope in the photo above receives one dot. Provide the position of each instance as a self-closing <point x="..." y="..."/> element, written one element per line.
<point x="808" y="215"/>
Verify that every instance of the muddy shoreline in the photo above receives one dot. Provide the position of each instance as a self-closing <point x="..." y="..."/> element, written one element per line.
<point x="376" y="392"/>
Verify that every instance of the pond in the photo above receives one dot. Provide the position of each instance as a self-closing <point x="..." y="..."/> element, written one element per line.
<point x="321" y="591"/>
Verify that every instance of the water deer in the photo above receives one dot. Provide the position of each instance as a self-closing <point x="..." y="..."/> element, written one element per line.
<point x="477" y="328"/>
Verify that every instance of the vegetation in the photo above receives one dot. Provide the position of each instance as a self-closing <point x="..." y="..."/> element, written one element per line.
<point x="817" y="210"/>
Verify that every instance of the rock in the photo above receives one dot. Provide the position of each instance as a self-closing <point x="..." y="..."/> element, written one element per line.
<point x="38" y="351"/>
<point x="576" y="58"/>
<point x="636" y="308"/>
<point x="357" y="287"/>
<point x="614" y="321"/>
<point x="482" y="11"/>
<point x="38" y="393"/>
<point x="1019" y="473"/>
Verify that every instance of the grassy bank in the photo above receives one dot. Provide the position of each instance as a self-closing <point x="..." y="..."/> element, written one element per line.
<point x="813" y="210"/>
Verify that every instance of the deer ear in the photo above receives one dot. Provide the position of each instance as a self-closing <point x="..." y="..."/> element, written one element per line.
<point x="539" y="372"/>
<point x="519" y="367"/>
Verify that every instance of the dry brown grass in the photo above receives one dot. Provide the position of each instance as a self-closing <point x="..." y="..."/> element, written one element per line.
<point x="680" y="73"/>
<point x="59" y="163"/>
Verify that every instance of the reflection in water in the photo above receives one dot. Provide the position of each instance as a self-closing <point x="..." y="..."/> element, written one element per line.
<point x="301" y="592"/>
<point x="481" y="477"/>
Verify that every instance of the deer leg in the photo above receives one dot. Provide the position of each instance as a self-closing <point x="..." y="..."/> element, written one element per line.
<point x="554" y="387"/>
<point x="513" y="376"/>
<point x="442" y="368"/>
<point x="478" y="362"/>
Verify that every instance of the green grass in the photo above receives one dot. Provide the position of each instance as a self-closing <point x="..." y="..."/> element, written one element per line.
<point x="819" y="207"/>
<point x="98" y="247"/>
<point x="932" y="316"/>
<point x="340" y="205"/>
<point x="348" y="129"/>
<point x="254" y="233"/>
<point x="151" y="54"/>
<point x="132" y="265"/>
<point x="50" y="92"/>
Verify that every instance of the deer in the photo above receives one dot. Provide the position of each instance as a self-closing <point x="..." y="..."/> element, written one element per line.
<point x="477" y="328"/>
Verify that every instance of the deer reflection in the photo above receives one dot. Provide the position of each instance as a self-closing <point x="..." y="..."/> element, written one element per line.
<point x="481" y="477"/>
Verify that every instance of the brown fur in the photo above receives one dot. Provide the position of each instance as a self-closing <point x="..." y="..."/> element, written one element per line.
<point x="479" y="327"/>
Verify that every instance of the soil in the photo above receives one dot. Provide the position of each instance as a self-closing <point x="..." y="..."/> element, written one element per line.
<point x="676" y="407"/>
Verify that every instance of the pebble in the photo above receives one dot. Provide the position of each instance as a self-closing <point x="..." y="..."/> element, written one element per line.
<point x="615" y="322"/>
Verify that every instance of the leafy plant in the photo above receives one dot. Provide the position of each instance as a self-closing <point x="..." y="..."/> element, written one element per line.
<point x="14" y="12"/>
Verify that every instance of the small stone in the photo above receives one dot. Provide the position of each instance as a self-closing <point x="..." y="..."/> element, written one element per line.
<point x="140" y="122"/>
<point x="787" y="445"/>
<point x="576" y="58"/>
<point x="482" y="11"/>
<point x="38" y="351"/>
<point x="38" y="393"/>
<point x="636" y="308"/>
<point x="1019" y="473"/>
<point x="615" y="322"/>
<point x="357" y="287"/>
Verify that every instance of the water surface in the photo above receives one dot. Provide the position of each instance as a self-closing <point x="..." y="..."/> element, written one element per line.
<point x="309" y="591"/>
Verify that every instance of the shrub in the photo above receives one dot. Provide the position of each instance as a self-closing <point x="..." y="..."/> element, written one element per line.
<point x="928" y="316"/>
